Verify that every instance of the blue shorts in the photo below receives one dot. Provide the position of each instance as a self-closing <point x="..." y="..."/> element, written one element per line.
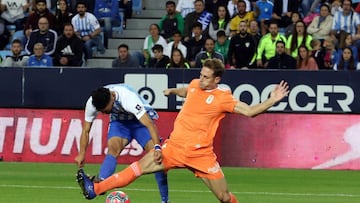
<point x="129" y="130"/>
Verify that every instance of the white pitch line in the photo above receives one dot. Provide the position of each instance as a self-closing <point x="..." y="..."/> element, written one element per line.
<point x="191" y="191"/>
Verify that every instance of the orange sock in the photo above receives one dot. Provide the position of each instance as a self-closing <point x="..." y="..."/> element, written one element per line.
<point x="233" y="198"/>
<point x="120" y="179"/>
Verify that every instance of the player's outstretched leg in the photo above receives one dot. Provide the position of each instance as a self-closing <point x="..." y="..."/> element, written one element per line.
<point x="86" y="185"/>
<point x="161" y="179"/>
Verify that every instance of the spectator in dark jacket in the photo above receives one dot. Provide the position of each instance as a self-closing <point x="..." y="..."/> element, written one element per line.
<point x="160" y="60"/>
<point x="198" y="16"/>
<point x="33" y="19"/>
<point x="281" y="60"/>
<point x="44" y="35"/>
<point x="208" y="53"/>
<point x="171" y="22"/>
<point x="69" y="48"/>
<point x="195" y="44"/>
<point x="62" y="15"/>
<point x="125" y="60"/>
<point x="284" y="16"/>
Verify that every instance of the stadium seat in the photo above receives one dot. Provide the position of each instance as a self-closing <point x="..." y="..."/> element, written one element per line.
<point x="4" y="53"/>
<point x="11" y="28"/>
<point x="137" y="6"/>
<point x="119" y="29"/>
<point x="17" y="35"/>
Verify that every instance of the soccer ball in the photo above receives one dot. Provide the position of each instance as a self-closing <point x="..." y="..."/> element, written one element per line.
<point x="117" y="197"/>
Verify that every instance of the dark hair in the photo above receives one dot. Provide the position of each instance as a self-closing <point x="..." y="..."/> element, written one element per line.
<point x="325" y="5"/>
<point x="273" y="22"/>
<point x="123" y="46"/>
<point x="202" y="1"/>
<point x="342" y="2"/>
<point x="157" y="47"/>
<point x="220" y="33"/>
<point x="280" y="42"/>
<point x="298" y="13"/>
<point x="197" y="24"/>
<point x="68" y="24"/>
<point x="170" y="3"/>
<point x="294" y="41"/>
<point x="299" y="59"/>
<point x="216" y="65"/>
<point x="40" y="1"/>
<point x="342" y="39"/>
<point x="58" y="12"/>
<point x="182" y="62"/>
<point x="81" y="3"/>
<point x="241" y="1"/>
<point x="100" y="98"/>
<point x="227" y="15"/>
<point x="210" y="39"/>
<point x="156" y="25"/>
<point x="351" y="64"/>
<point x="176" y="32"/>
<point x="16" y="41"/>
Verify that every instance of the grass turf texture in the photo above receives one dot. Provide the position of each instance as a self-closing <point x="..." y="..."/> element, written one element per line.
<point x="55" y="183"/>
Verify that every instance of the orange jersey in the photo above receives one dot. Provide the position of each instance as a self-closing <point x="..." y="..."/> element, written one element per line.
<point x="198" y="120"/>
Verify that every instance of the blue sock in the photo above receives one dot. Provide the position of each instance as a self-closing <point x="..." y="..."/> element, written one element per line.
<point x="161" y="179"/>
<point x="107" y="167"/>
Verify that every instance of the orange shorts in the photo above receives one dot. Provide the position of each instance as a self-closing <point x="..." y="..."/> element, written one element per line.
<point x="204" y="165"/>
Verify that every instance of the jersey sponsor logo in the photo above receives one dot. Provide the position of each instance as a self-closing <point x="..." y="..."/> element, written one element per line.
<point x="139" y="108"/>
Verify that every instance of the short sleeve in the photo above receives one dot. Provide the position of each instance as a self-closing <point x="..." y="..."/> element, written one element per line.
<point x="90" y="111"/>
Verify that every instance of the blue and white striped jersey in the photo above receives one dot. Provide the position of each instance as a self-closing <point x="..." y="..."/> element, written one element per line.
<point x="128" y="105"/>
<point x="86" y="25"/>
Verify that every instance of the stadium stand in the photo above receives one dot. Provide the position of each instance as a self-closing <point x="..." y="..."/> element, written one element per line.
<point x="135" y="32"/>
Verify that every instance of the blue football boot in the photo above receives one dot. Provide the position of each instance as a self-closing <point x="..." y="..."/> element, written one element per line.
<point x="86" y="185"/>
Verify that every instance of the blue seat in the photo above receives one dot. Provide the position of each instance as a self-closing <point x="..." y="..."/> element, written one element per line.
<point x="11" y="27"/>
<point x="119" y="28"/>
<point x="4" y="53"/>
<point x="137" y="6"/>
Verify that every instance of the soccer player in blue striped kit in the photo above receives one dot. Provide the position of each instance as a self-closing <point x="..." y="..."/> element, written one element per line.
<point x="131" y="117"/>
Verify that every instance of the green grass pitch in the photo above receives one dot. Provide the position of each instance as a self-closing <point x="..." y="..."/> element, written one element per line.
<point x="55" y="183"/>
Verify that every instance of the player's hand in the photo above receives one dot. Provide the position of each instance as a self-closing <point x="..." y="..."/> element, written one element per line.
<point x="167" y="92"/>
<point x="79" y="159"/>
<point x="280" y="91"/>
<point x="157" y="156"/>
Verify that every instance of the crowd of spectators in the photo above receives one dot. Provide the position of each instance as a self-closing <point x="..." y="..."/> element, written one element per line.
<point x="244" y="34"/>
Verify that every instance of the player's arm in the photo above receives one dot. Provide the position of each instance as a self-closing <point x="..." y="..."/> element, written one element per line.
<point x="181" y="92"/>
<point x="278" y="93"/>
<point x="84" y="141"/>
<point x="150" y="125"/>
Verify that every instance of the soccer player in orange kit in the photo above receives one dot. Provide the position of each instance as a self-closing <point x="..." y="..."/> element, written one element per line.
<point x="191" y="142"/>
